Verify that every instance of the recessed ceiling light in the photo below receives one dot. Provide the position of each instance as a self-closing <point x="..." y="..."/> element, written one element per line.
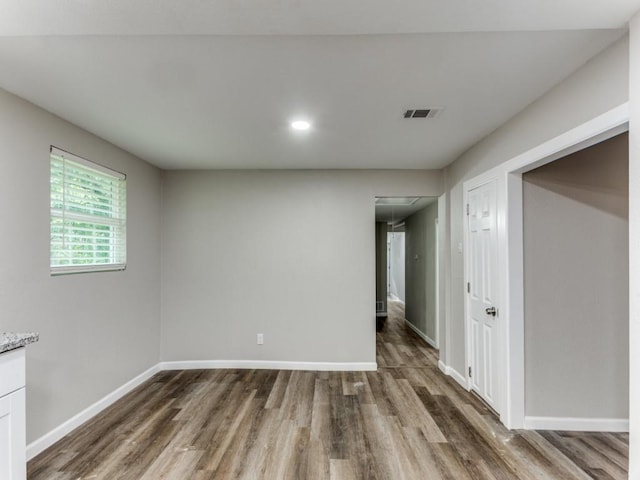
<point x="300" y="125"/>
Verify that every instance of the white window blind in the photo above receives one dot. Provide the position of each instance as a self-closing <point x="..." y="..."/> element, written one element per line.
<point x="88" y="216"/>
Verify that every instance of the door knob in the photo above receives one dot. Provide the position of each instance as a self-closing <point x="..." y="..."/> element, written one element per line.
<point x="491" y="311"/>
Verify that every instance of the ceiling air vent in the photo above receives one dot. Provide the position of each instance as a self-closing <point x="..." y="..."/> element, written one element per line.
<point x="396" y="201"/>
<point x="423" y="112"/>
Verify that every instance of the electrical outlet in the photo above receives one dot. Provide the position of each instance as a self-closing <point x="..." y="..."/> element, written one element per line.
<point x="260" y="339"/>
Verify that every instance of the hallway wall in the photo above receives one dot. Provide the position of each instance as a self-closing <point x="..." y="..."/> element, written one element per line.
<point x="420" y="270"/>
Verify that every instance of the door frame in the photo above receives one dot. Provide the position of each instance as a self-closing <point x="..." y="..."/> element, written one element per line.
<point x="438" y="306"/>
<point x="509" y="213"/>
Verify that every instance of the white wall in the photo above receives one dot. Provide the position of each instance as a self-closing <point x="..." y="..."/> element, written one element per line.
<point x="97" y="330"/>
<point x="634" y="250"/>
<point x="600" y="85"/>
<point x="576" y="284"/>
<point x="289" y="254"/>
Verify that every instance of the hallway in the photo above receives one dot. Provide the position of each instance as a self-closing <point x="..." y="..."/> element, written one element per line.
<point x="396" y="346"/>
<point x="545" y="454"/>
<point x="404" y="421"/>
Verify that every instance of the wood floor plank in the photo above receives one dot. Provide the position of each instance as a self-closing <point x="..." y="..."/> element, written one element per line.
<point x="277" y="462"/>
<point x="565" y="468"/>
<point x="414" y="413"/>
<point x="172" y="464"/>
<point x="449" y="462"/>
<point x="318" y="462"/>
<point x="224" y="435"/>
<point x="377" y="428"/>
<point x="262" y="445"/>
<point x="278" y="389"/>
<point x="606" y="448"/>
<point x="298" y="397"/>
<point x="404" y="421"/>
<point x="243" y="440"/>
<point x="591" y="461"/>
<point x="423" y="453"/>
<point x="342" y="470"/>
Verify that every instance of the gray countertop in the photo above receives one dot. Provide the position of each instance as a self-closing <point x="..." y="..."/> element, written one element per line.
<point x="11" y="341"/>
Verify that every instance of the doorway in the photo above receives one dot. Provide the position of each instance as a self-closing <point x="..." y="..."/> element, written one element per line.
<point x="576" y="290"/>
<point x="508" y="175"/>
<point x="407" y="260"/>
<point x="396" y="265"/>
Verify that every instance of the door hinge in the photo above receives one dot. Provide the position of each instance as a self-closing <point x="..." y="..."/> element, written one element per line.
<point x="467" y="209"/>
<point x="468" y="287"/>
<point x="469" y="372"/>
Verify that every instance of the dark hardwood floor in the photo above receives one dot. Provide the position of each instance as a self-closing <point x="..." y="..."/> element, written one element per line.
<point x="404" y="421"/>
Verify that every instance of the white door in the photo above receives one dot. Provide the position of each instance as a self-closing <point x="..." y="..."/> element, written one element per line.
<point x="482" y="336"/>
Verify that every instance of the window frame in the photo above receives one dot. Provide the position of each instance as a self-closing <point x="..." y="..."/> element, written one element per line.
<point x="118" y="237"/>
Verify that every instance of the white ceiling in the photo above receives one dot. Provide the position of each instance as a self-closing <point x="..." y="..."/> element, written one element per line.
<point x="196" y="84"/>
<point x="306" y="17"/>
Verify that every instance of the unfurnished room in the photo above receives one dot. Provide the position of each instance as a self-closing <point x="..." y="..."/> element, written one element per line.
<point x="335" y="240"/>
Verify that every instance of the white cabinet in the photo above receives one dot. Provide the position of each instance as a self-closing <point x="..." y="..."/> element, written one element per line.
<point x="12" y="416"/>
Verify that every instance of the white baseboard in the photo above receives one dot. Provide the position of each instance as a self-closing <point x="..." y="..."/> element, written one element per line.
<point x="577" y="424"/>
<point x="270" y="365"/>
<point x="453" y="374"/>
<point x="422" y="335"/>
<point x="48" y="439"/>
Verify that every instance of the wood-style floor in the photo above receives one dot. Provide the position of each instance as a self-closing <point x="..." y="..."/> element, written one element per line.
<point x="404" y="421"/>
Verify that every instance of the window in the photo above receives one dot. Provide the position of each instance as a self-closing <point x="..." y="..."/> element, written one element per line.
<point x="88" y="216"/>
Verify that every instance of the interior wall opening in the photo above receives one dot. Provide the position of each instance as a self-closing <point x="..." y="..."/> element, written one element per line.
<point x="396" y="264"/>
<point x="576" y="319"/>
<point x="407" y="259"/>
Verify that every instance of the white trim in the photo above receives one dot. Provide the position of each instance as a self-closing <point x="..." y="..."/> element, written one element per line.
<point x="601" y="128"/>
<point x="577" y="424"/>
<point x="596" y="130"/>
<point x="513" y="290"/>
<point x="270" y="365"/>
<point x="58" y="152"/>
<point x="445" y="331"/>
<point x="48" y="439"/>
<point x="437" y="279"/>
<point x="421" y="334"/>
<point x="449" y="371"/>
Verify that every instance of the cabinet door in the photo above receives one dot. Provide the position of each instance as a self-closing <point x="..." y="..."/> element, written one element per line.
<point x="12" y="437"/>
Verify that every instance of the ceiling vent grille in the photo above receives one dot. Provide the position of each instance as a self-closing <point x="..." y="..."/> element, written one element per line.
<point x="423" y="112"/>
<point x="396" y="201"/>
